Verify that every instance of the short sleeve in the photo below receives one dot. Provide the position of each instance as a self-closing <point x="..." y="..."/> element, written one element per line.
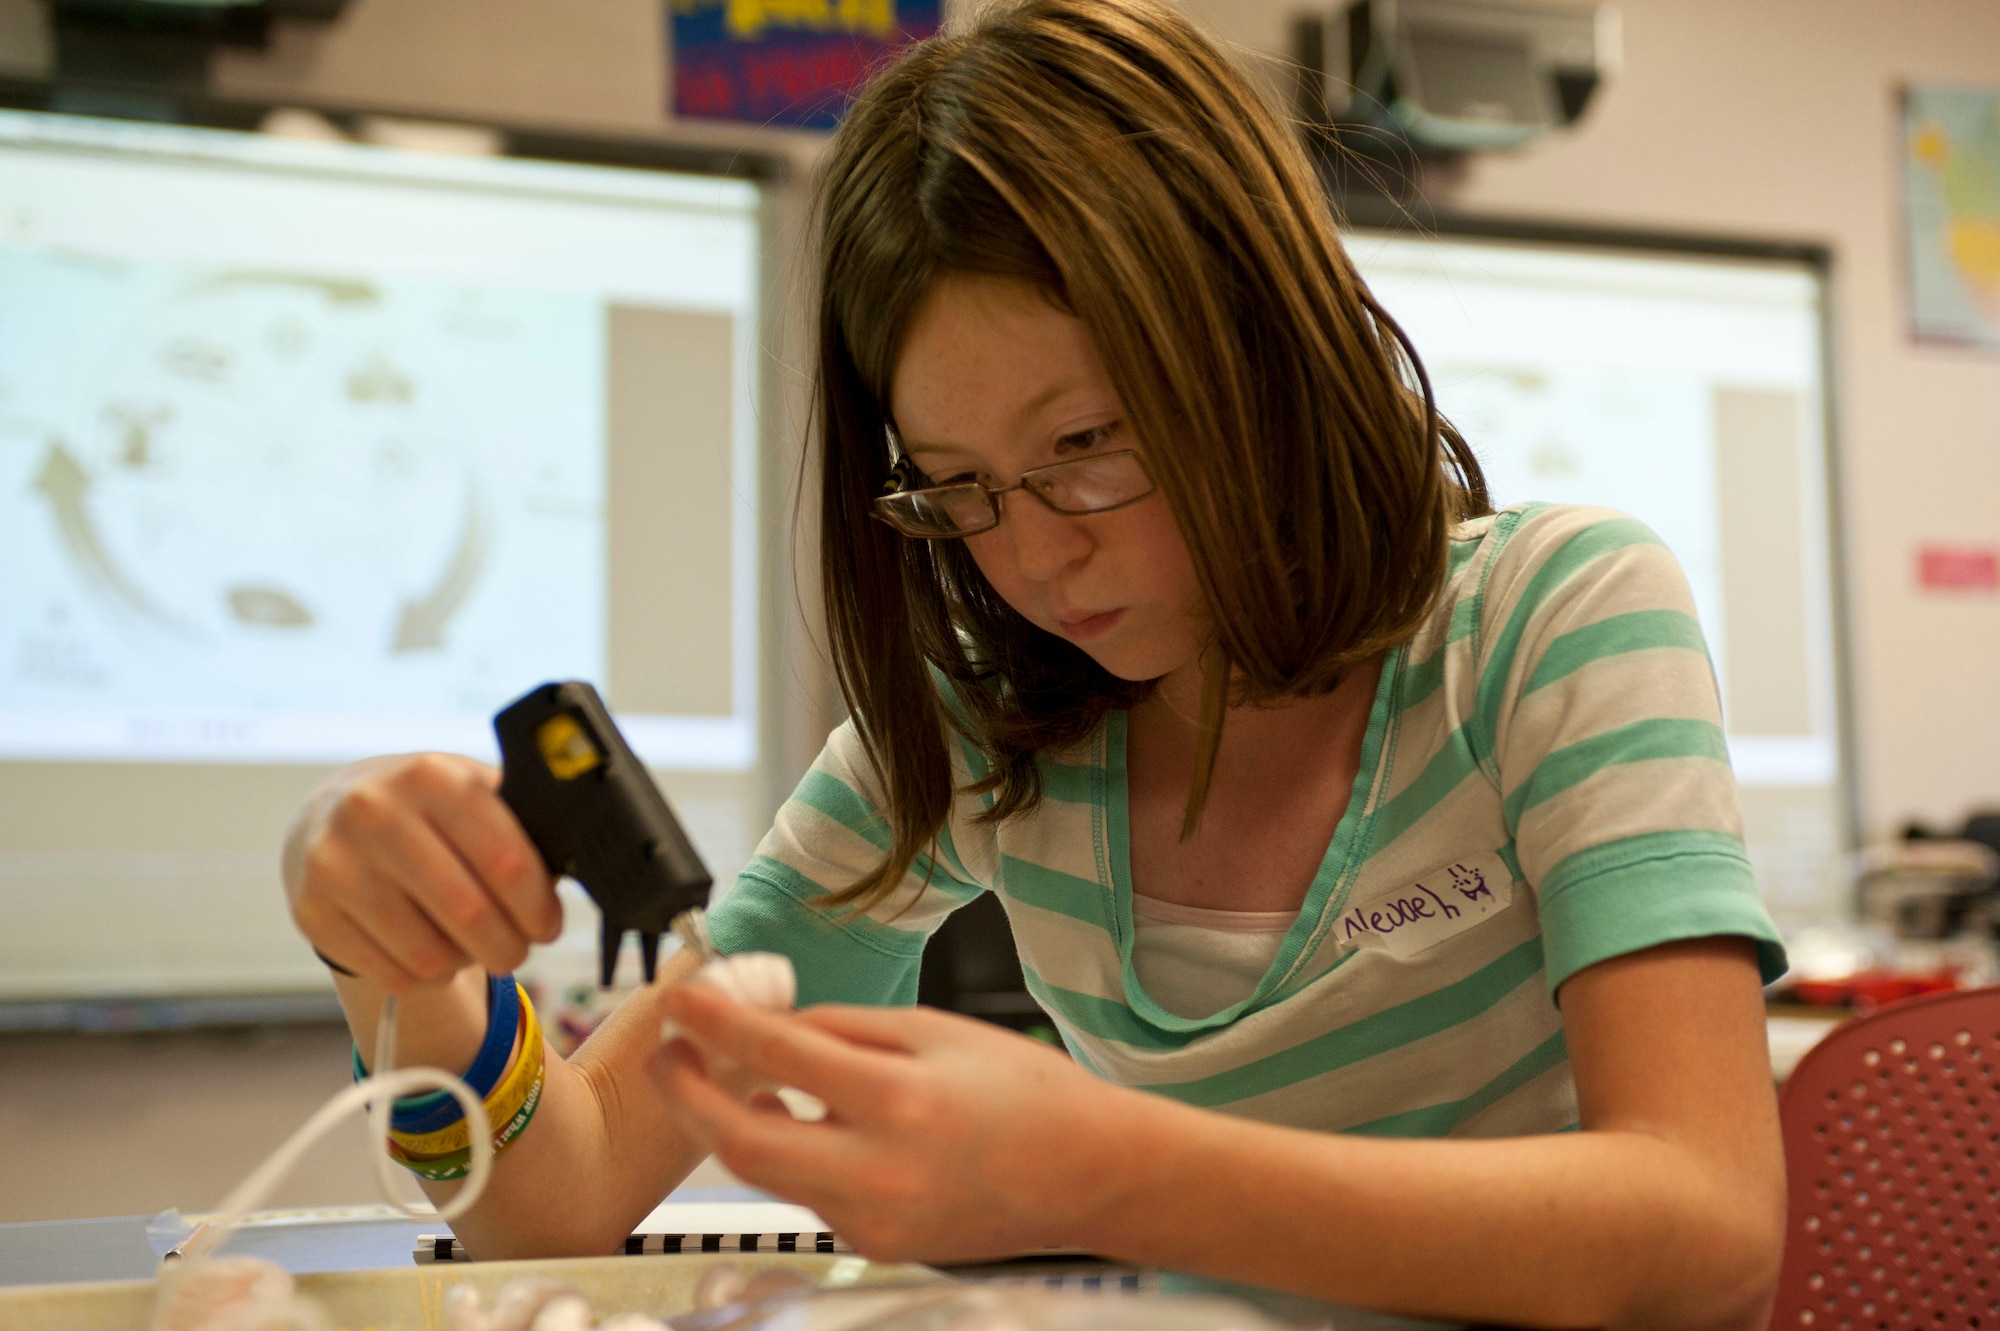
<point x="829" y="834"/>
<point x="1597" y="704"/>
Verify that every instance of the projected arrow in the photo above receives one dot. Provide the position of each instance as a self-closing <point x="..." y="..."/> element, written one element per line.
<point x="65" y="482"/>
<point x="421" y="623"/>
<point x="340" y="291"/>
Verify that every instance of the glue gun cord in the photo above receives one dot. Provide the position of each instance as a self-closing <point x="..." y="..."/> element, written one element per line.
<point x="376" y="1094"/>
<point x="380" y="1109"/>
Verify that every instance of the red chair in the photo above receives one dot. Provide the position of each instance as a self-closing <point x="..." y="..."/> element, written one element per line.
<point x="1892" y="1154"/>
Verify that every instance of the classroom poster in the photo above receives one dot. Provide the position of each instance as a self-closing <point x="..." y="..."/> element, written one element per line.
<point x="1951" y="192"/>
<point x="786" y="62"/>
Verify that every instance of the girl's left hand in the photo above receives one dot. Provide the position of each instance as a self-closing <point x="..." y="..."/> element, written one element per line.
<point x="945" y="1139"/>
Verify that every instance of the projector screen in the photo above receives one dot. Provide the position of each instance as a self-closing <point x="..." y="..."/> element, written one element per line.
<point x="1687" y="390"/>
<point x="314" y="450"/>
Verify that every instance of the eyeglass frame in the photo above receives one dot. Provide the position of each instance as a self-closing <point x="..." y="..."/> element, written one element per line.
<point x="905" y="470"/>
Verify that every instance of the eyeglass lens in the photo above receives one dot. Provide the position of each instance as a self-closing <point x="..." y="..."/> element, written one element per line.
<point x="1089" y="484"/>
<point x="1085" y="485"/>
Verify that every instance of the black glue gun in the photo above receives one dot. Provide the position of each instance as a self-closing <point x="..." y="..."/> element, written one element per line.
<point x="594" y="814"/>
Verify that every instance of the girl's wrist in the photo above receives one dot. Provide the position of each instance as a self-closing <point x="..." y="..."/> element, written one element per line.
<point x="437" y="1025"/>
<point x="1121" y="1144"/>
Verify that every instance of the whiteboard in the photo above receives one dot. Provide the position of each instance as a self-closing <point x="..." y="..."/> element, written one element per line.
<point x="315" y="450"/>
<point x="1685" y="389"/>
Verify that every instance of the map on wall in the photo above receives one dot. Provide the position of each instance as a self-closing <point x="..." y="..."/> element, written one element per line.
<point x="1951" y="167"/>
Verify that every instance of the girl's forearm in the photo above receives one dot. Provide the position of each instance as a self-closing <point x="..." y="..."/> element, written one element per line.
<point x="608" y="1150"/>
<point x="1594" y="1229"/>
<point x="571" y="1185"/>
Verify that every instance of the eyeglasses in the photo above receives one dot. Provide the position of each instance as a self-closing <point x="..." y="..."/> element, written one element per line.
<point x="1095" y="484"/>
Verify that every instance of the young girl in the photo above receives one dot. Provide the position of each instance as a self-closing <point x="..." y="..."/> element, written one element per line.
<point x="1377" y="856"/>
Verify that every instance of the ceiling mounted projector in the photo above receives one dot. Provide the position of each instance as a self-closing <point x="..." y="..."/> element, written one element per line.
<point x="164" y="43"/>
<point x="1456" y="75"/>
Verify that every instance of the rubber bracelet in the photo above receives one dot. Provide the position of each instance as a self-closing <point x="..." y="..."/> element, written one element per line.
<point x="503" y="1015"/>
<point x="499" y="993"/>
<point x="458" y="1164"/>
<point x="429" y="1113"/>
<point x="505" y="1099"/>
<point x="514" y="1090"/>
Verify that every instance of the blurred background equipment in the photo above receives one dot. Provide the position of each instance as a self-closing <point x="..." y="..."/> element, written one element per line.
<point x="109" y="53"/>
<point x="970" y="966"/>
<point x="1926" y="918"/>
<point x="1931" y="887"/>
<point x="1399" y="80"/>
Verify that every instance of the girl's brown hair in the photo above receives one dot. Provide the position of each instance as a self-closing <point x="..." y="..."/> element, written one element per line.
<point x="1108" y="153"/>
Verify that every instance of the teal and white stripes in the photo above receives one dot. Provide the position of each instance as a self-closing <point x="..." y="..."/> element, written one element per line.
<point x="1555" y="719"/>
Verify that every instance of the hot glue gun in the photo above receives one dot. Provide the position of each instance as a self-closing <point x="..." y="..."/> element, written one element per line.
<point x="594" y="814"/>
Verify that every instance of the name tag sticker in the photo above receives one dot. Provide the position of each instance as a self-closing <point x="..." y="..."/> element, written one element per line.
<point x="1444" y="902"/>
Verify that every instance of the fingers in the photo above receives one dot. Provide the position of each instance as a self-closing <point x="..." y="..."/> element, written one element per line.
<point x="350" y="895"/>
<point x="781" y="1048"/>
<point x="431" y="874"/>
<point x="487" y="837"/>
<point x="414" y="868"/>
<point x="897" y="1030"/>
<point x="407" y="870"/>
<point x="342" y="940"/>
<point x="758" y="1140"/>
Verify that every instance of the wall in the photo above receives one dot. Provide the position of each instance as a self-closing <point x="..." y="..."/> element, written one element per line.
<point x="137" y="1124"/>
<point x="99" y="1125"/>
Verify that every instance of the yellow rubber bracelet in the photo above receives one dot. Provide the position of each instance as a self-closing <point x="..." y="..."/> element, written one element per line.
<point x="501" y="1105"/>
<point x="458" y="1164"/>
<point x="517" y="1086"/>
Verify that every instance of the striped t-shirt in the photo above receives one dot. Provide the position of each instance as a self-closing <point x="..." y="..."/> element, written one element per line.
<point x="1543" y="785"/>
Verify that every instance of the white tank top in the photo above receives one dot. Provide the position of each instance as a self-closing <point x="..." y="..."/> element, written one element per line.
<point x="1194" y="962"/>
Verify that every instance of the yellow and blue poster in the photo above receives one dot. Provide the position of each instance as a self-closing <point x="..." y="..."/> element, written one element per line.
<point x="786" y="62"/>
<point x="1952" y="201"/>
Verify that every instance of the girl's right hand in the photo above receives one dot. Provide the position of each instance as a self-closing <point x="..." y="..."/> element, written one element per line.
<point x="405" y="870"/>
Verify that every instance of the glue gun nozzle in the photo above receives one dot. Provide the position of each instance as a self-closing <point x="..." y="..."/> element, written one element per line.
<point x="608" y="944"/>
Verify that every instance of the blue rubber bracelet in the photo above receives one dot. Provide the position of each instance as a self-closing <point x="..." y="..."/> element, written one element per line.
<point x="438" y="1110"/>
<point x="503" y="1006"/>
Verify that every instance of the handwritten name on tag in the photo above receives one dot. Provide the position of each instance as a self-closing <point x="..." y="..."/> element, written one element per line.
<point x="1442" y="903"/>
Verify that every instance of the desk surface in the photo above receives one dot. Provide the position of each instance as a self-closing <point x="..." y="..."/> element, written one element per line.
<point x="345" y="1238"/>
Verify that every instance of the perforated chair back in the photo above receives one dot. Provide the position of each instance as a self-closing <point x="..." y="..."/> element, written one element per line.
<point x="1892" y="1156"/>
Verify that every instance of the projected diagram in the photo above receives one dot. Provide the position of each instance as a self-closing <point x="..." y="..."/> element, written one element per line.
<point x="234" y="498"/>
<point x="1635" y="440"/>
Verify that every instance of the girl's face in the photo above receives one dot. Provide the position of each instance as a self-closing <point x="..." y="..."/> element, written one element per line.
<point x="994" y="379"/>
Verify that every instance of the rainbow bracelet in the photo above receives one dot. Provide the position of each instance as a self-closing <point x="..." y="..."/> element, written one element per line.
<point x="445" y="1155"/>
